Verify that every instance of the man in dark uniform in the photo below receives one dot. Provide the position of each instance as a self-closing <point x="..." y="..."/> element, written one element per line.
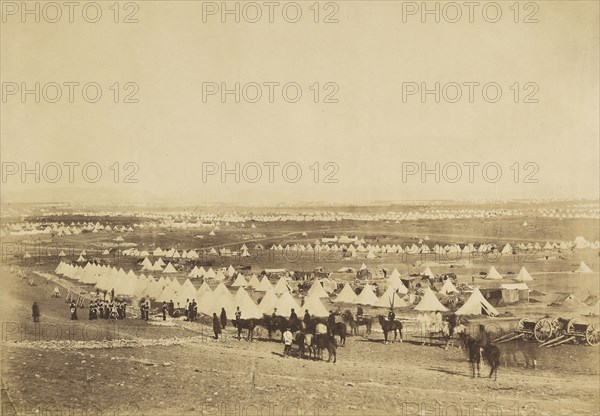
<point x="73" y="310"/>
<point x="171" y="307"/>
<point x="142" y="302"/>
<point x="112" y="294"/>
<point x="306" y="319"/>
<point x="35" y="312"/>
<point x="391" y="315"/>
<point x="330" y="323"/>
<point x="146" y="310"/>
<point x="216" y="326"/>
<point x="164" y="311"/>
<point x="124" y="308"/>
<point x="189" y="313"/>
<point x="194" y="310"/>
<point x="359" y="312"/>
<point x="91" y="311"/>
<point x="223" y="318"/>
<point x="293" y="317"/>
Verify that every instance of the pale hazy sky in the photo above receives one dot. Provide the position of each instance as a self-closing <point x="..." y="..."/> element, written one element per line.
<point x="368" y="134"/>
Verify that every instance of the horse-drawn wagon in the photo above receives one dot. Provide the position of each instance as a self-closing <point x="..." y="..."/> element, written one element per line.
<point x="550" y="332"/>
<point x="575" y="330"/>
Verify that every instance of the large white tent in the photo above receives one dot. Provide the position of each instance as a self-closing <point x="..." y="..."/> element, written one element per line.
<point x="315" y="306"/>
<point x="346" y="295"/>
<point x="493" y="274"/>
<point x="285" y="304"/>
<point x="477" y="305"/>
<point x="583" y="268"/>
<point x="448" y="287"/>
<point x="524" y="276"/>
<point x="316" y="290"/>
<point x="430" y="303"/>
<point x="367" y="296"/>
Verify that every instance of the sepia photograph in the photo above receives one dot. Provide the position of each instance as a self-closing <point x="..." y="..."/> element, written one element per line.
<point x="300" y="208"/>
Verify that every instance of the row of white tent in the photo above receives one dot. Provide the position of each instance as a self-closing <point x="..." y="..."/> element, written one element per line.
<point x="422" y="248"/>
<point x="209" y="301"/>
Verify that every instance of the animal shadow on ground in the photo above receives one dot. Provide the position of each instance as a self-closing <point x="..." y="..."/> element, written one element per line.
<point x="451" y="372"/>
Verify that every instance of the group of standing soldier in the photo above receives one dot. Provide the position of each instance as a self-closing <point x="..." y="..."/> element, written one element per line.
<point x="104" y="309"/>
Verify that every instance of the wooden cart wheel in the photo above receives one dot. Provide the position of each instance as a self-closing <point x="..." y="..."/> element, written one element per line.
<point x="543" y="330"/>
<point x="592" y="334"/>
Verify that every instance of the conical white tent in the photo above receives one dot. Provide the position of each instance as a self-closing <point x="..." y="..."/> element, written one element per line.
<point x="430" y="303"/>
<point x="346" y="295"/>
<point x="524" y="276"/>
<point x="285" y="304"/>
<point x="281" y="286"/>
<point x="390" y="299"/>
<point x="493" y="274"/>
<point x="395" y="282"/>
<point x="204" y="287"/>
<point x="264" y="285"/>
<point x="240" y="281"/>
<point x="253" y="282"/>
<point x="315" y="306"/>
<point x="367" y="296"/>
<point x="448" y="287"/>
<point x="477" y="305"/>
<point x="316" y="290"/>
<point x="247" y="306"/>
<point x="268" y="302"/>
<point x="583" y="268"/>
<point x="427" y="272"/>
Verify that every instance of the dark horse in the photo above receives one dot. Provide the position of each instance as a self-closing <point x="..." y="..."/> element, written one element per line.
<point x="338" y="329"/>
<point x="367" y="321"/>
<point x="473" y="350"/>
<point x="278" y="323"/>
<point x="318" y="342"/>
<point x="248" y="324"/>
<point x="491" y="354"/>
<point x="387" y="327"/>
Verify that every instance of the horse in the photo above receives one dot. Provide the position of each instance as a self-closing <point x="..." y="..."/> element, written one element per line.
<point x="473" y="349"/>
<point x="338" y="329"/>
<point x="367" y="321"/>
<point x="279" y="323"/>
<point x="300" y="339"/>
<point x="389" y="326"/>
<point x="319" y="342"/>
<point x="527" y="348"/>
<point x="491" y="354"/>
<point x="248" y="324"/>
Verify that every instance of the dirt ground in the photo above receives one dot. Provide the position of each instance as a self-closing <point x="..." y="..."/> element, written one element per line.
<point x="136" y="367"/>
